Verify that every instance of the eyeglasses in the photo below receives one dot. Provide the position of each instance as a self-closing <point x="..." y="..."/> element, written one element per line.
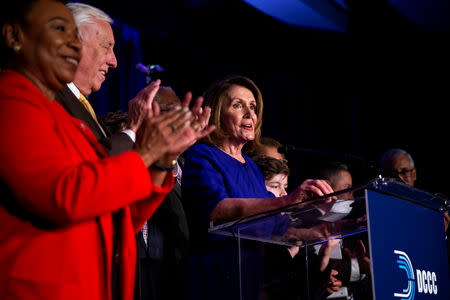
<point x="405" y="173"/>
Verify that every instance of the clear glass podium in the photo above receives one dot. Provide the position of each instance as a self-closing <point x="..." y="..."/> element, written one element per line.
<point x="364" y="233"/>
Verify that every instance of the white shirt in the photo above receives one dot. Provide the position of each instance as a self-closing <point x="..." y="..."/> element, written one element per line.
<point x="74" y="89"/>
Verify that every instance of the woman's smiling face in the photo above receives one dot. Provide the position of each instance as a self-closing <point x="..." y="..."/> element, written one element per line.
<point x="51" y="49"/>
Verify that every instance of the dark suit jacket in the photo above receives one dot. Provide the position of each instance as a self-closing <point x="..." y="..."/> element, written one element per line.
<point x="161" y="264"/>
<point x="114" y="144"/>
<point x="169" y="220"/>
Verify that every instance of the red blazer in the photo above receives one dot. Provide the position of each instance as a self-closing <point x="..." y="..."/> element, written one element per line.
<point x="57" y="198"/>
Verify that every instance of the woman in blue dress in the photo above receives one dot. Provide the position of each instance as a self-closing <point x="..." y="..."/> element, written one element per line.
<point x="222" y="184"/>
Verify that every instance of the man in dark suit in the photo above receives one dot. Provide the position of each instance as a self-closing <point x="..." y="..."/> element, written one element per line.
<point x="162" y="250"/>
<point x="162" y="243"/>
<point x="98" y="56"/>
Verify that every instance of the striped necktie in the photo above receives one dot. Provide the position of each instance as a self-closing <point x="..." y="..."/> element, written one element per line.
<point x="144" y="230"/>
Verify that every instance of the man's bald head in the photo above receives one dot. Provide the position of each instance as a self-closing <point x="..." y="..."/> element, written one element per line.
<point x="166" y="98"/>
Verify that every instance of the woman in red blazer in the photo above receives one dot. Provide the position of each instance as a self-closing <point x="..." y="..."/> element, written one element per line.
<point x="62" y="198"/>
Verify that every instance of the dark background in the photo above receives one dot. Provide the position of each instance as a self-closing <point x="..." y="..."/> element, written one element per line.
<point x="383" y="83"/>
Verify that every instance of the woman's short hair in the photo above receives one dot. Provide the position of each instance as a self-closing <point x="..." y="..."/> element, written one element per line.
<point x="215" y="98"/>
<point x="15" y="12"/>
<point x="270" y="166"/>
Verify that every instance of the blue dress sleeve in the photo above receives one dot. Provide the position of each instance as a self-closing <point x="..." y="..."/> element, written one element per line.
<point x="202" y="185"/>
<point x="210" y="175"/>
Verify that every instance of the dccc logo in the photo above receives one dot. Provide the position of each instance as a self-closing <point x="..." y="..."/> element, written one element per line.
<point x="426" y="280"/>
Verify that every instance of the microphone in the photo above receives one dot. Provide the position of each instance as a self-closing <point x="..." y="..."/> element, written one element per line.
<point x="285" y="149"/>
<point x="156" y="68"/>
<point x="142" y="68"/>
<point x="148" y="70"/>
<point x="290" y="148"/>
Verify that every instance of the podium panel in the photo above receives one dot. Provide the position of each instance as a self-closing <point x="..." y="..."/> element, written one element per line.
<point x="389" y="237"/>
<point x="407" y="242"/>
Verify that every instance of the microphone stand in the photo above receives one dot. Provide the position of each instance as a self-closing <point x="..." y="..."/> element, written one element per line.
<point x="290" y="148"/>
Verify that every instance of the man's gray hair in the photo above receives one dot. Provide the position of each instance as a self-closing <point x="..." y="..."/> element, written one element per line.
<point x="389" y="155"/>
<point x="86" y="14"/>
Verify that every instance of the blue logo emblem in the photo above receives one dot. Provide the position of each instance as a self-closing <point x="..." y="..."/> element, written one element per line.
<point x="404" y="263"/>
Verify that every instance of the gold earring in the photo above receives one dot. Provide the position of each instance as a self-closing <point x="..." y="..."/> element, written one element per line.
<point x="17" y="48"/>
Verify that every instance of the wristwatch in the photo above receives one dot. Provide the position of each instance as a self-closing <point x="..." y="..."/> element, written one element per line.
<point x="165" y="168"/>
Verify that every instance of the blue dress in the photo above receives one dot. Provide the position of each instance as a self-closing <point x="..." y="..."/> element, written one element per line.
<point x="209" y="176"/>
